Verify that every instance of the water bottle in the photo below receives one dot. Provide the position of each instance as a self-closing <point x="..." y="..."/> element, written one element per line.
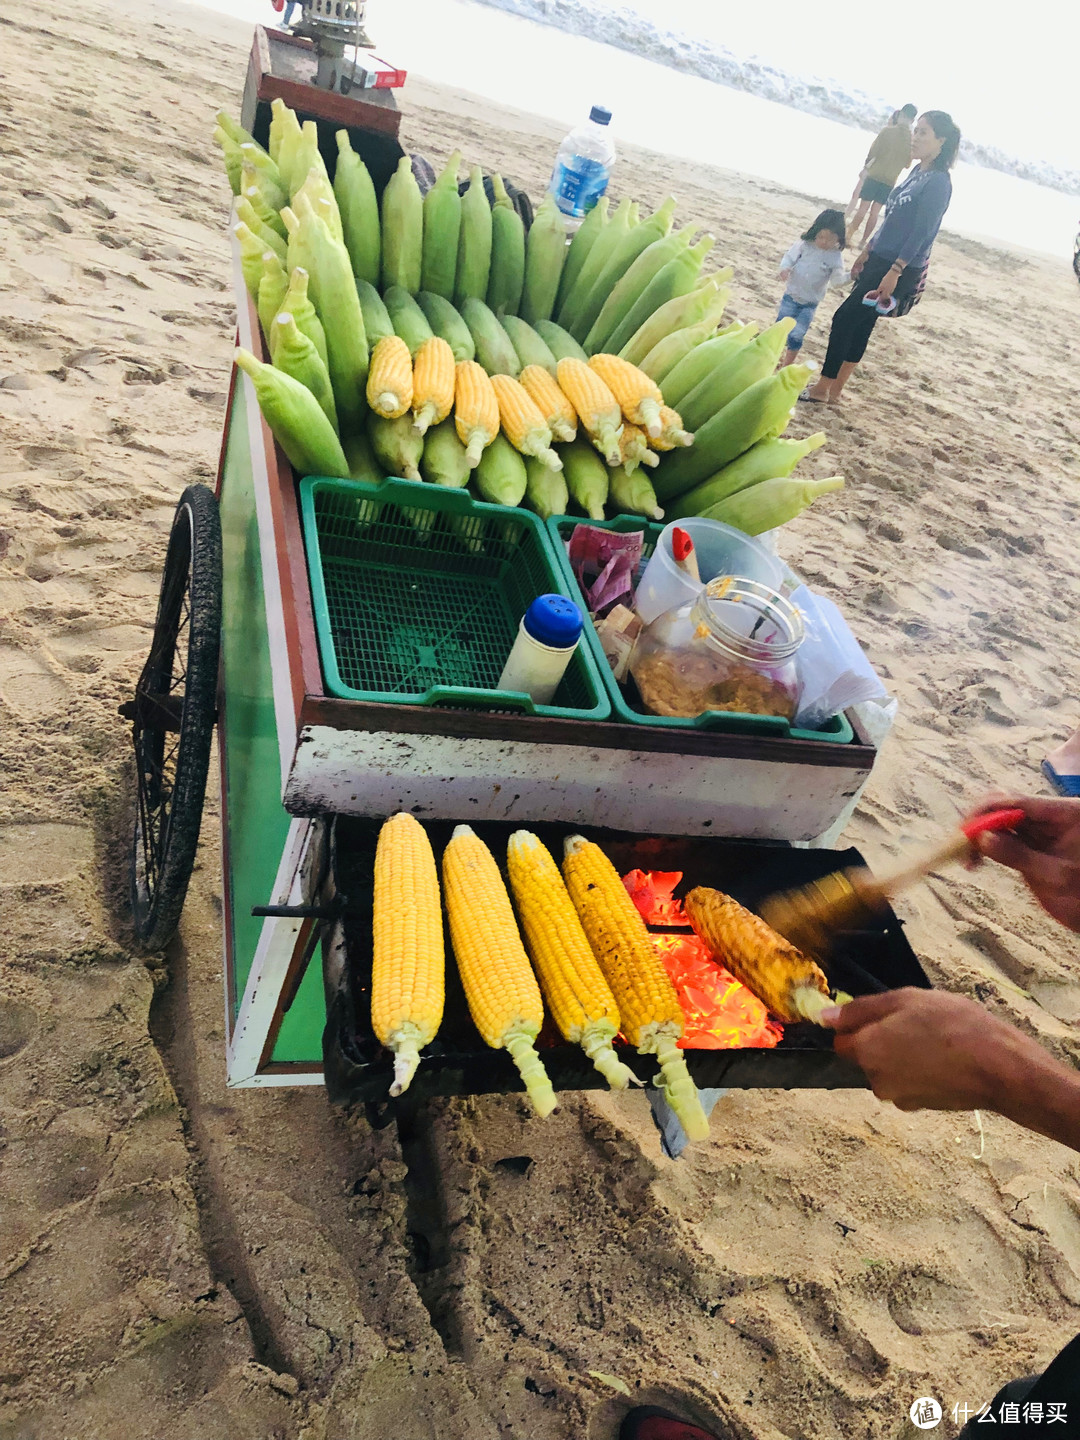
<point x="583" y="165"/>
<point x="546" y="640"/>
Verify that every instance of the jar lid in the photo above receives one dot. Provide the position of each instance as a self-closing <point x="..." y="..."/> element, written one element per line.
<point x="601" y="114"/>
<point x="554" y="620"/>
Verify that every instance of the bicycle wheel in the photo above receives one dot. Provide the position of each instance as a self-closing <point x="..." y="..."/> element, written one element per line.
<point x="173" y="716"/>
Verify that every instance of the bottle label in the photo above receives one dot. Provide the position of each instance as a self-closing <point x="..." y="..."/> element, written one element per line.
<point x="577" y="184"/>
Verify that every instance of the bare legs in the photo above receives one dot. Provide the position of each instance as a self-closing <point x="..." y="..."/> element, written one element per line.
<point x="830" y="390"/>
<point x="788" y="358"/>
<point x="871" y="224"/>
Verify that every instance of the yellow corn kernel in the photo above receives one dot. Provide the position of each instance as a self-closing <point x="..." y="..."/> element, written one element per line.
<point x="476" y="409"/>
<point x="634" y="448"/>
<point x="577" y="994"/>
<point x="543" y="390"/>
<point x="672" y="433"/>
<point x="433" y="383"/>
<point x="408" y="967"/>
<point x="651" y="1017"/>
<point x="597" y="408"/>
<point x="522" y="423"/>
<point x="639" y="396"/>
<point x="500" y="987"/>
<point x="783" y="978"/>
<point x="390" y="378"/>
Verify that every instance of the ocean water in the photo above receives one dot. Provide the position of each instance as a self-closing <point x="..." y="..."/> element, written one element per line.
<point x="537" y="68"/>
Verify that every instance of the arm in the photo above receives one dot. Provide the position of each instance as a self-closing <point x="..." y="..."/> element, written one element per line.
<point x="1044" y="849"/>
<point x="788" y="262"/>
<point x="929" y="207"/>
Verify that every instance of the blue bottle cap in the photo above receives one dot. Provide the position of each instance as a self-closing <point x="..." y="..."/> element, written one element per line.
<point x="601" y="114"/>
<point x="553" y="620"/>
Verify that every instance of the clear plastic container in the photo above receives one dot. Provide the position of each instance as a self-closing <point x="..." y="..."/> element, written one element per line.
<point x="732" y="648"/>
<point x="583" y="165"/>
<point x="720" y="550"/>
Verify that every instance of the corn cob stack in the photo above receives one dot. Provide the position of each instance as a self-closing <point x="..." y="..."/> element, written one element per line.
<point x="577" y="994"/>
<point x="408" y="969"/>
<point x="783" y="978"/>
<point x="648" y="1006"/>
<point x="500" y="987"/>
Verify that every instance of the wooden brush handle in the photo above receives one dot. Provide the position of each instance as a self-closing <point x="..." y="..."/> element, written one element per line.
<point x="957" y="847"/>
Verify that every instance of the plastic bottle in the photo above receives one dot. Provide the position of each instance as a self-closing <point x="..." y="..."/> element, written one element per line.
<point x="547" y="637"/>
<point x="583" y="165"/>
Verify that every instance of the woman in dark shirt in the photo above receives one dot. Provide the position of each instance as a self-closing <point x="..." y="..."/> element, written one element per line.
<point x="892" y="266"/>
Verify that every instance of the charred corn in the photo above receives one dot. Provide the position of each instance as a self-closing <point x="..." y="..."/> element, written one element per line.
<point x="522" y="422"/>
<point x="559" y="415"/>
<point x="639" y="397"/>
<point x="476" y="408"/>
<point x="596" y="406"/>
<point x="433" y="383"/>
<point x="390" y="378"/>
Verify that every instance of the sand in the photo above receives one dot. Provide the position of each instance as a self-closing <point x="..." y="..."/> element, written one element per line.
<point x="188" y="1263"/>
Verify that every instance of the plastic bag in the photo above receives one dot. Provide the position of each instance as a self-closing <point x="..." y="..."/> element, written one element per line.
<point x="833" y="670"/>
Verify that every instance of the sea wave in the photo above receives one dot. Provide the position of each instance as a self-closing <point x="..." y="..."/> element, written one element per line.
<point x="626" y="29"/>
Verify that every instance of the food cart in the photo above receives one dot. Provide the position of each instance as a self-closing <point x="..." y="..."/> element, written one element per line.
<point x="307" y="777"/>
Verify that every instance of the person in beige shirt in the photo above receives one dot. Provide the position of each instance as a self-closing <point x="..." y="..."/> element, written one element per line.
<point x="888" y="155"/>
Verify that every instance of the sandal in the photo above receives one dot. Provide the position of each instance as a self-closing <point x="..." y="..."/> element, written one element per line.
<point x="1067" y="786"/>
<point x="812" y="399"/>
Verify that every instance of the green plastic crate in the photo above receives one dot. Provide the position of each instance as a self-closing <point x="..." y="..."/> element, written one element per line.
<point x="561" y="527"/>
<point x="419" y="591"/>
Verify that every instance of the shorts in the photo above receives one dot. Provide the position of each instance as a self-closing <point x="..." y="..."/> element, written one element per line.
<point x="876" y="191"/>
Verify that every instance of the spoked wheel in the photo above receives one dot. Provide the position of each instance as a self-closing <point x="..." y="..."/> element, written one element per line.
<point x="173" y="714"/>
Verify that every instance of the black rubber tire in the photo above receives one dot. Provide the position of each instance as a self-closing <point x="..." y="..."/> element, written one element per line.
<point x="171" y="773"/>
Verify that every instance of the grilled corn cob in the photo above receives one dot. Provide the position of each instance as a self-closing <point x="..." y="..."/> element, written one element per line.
<point x="577" y="994"/>
<point x="408" y="967"/>
<point x="500" y="987"/>
<point x="476" y="408"/>
<point x="433" y="383"/>
<point x="544" y="392"/>
<point x="525" y="427"/>
<point x="639" y="397"/>
<point x="648" y="1006"/>
<point x="783" y="978"/>
<point x="390" y="378"/>
<point x="597" y="408"/>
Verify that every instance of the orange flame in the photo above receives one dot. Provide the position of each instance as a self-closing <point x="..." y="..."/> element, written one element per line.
<point x="650" y="891"/>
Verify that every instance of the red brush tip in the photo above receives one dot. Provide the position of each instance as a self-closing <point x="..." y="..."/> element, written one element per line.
<point x="681" y="544"/>
<point x="992" y="820"/>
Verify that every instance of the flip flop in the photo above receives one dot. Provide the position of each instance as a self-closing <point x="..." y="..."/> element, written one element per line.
<point x="1067" y="786"/>
<point x="650" y="1422"/>
<point x="812" y="399"/>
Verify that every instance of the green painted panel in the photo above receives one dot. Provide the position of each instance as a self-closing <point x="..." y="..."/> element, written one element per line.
<point x="300" y="1036"/>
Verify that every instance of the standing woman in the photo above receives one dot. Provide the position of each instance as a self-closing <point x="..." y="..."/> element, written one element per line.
<point x="891" y="269"/>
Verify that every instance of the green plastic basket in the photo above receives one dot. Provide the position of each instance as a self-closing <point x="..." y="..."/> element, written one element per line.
<point x="419" y="591"/>
<point x="560" y="528"/>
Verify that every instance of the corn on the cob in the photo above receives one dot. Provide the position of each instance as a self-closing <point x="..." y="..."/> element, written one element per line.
<point x="634" y="448"/>
<point x="770" y="503"/>
<point x="571" y="311"/>
<point x="494" y="348"/>
<point x="500" y="474"/>
<point x="407" y="318"/>
<point x="269" y="176"/>
<point x="580" y="246"/>
<point x="667" y="353"/>
<point x="522" y="422"/>
<point x="679" y="276"/>
<point x="445" y="321"/>
<point x="559" y="414"/>
<point x="305" y="157"/>
<point x="296" y="419"/>
<point x="294" y="353"/>
<point x="649" y="249"/>
<point x="377" y="322"/>
<point x="408" y="964"/>
<point x="474" y="241"/>
<point x="442" y="230"/>
<point x="396" y="444"/>
<point x="269" y="239"/>
<point x="545" y="254"/>
<point x="707" y="302"/>
<point x="361" y="459"/>
<point x="390" y="378"/>
<point x="333" y="293"/>
<point x="500" y="987"/>
<point x="476" y="408"/>
<point x="444" y="461"/>
<point x="358" y="207"/>
<point x="648" y="1006"/>
<point x="263" y="197"/>
<point x="433" y="383"/>
<point x="528" y="345"/>
<point x="289" y="142"/>
<point x="273" y="287"/>
<point x="692" y="368"/>
<point x="230" y="154"/>
<point x="546" y="490"/>
<point x="672" y="435"/>
<point x="767" y="460"/>
<point x="577" y="994"/>
<point x="745" y="367"/>
<point x="559" y="341"/>
<point x="282" y="120"/>
<point x="596" y="406"/>
<point x="783" y="978"/>
<point x="507" y="273"/>
<point x="639" y="397"/>
<point x="631" y="491"/>
<point x="252" y="250"/>
<point x="587" y="477"/>
<point x="320" y="194"/>
<point x="402" y="229"/>
<point x="299" y="306"/>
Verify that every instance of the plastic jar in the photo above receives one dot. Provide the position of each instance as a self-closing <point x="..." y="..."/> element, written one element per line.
<point x="732" y="648"/>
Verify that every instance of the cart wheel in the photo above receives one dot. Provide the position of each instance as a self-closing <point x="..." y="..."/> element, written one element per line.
<point x="173" y="714"/>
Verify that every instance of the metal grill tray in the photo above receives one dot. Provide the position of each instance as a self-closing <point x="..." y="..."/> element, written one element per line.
<point x="458" y="1062"/>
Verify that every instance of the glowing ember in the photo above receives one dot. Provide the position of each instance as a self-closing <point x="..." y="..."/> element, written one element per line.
<point x="650" y="891"/>
<point x="721" y="1014"/>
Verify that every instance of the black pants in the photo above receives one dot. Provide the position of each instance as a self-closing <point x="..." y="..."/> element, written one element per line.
<point x="1058" y="1385"/>
<point x="854" y="322"/>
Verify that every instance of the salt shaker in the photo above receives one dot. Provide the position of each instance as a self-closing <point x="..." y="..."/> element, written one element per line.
<point x="547" y="637"/>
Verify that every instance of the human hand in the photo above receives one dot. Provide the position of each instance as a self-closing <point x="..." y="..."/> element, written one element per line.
<point x="785" y="275"/>
<point x="1044" y="848"/>
<point x="884" y="291"/>
<point x="857" y="267"/>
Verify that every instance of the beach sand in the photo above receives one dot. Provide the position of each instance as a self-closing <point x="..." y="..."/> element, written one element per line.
<point x="189" y="1263"/>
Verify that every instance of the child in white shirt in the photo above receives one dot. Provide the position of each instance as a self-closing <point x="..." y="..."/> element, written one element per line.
<point x="812" y="264"/>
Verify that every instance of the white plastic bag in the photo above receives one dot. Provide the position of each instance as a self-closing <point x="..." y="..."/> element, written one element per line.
<point x="833" y="671"/>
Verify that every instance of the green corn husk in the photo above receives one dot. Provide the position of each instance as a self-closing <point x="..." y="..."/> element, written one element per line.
<point x="771" y="503"/>
<point x="545" y="255"/>
<point x="474" y="242"/>
<point x="263" y="198"/>
<point x="358" y="207"/>
<point x="402" y="229"/>
<point x="604" y="246"/>
<point x="667" y="354"/>
<point x="759" y="413"/>
<point x="749" y="364"/>
<point x="361" y="459"/>
<point x="580" y="246"/>
<point x="632" y="492"/>
<point x="559" y="341"/>
<point x="627" y="272"/>
<point x="690" y="371"/>
<point x="252" y="250"/>
<point x="444" y="461"/>
<point x="296" y="419"/>
<point x="297" y="303"/>
<point x="320" y="193"/>
<point x="303" y="158"/>
<point x="230" y="154"/>
<point x="446" y="322"/>
<point x="294" y="354"/>
<point x="494" y="349"/>
<point x="282" y="120"/>
<point x="501" y="477"/>
<point x="266" y="238"/>
<point x="396" y="444"/>
<point x="506" y="277"/>
<point x="235" y="131"/>
<point x="268" y="176"/>
<point x="587" y="477"/>
<point x="333" y="293"/>
<point x="678" y="277"/>
<point x="377" y="322"/>
<point x="772" y="459"/>
<point x="530" y="348"/>
<point x="273" y="287"/>
<point x="707" y="302"/>
<point x="290" y="144"/>
<point x="442" y="231"/>
<point x="546" y="490"/>
<point x="407" y="318"/>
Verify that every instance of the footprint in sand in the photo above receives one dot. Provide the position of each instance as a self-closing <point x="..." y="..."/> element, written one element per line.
<point x="29" y="688"/>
